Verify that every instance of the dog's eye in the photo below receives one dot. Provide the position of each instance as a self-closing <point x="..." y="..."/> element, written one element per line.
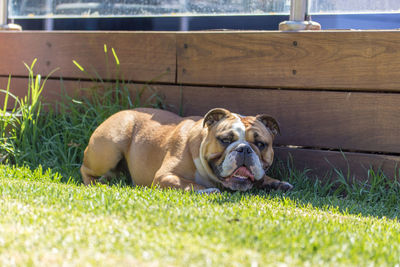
<point x="260" y="145"/>
<point x="225" y="141"/>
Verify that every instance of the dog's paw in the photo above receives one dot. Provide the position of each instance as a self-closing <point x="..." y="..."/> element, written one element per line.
<point x="208" y="191"/>
<point x="283" y="186"/>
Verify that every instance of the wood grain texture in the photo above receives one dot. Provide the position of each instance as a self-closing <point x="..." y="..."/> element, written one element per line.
<point x="143" y="56"/>
<point x="52" y="92"/>
<point x="55" y="89"/>
<point x="322" y="163"/>
<point x="341" y="60"/>
<point x="339" y="120"/>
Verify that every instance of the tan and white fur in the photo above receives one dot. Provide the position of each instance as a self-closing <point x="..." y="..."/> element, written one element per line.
<point x="220" y="150"/>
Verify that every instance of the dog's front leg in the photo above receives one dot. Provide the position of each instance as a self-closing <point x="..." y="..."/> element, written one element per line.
<point x="269" y="183"/>
<point x="174" y="181"/>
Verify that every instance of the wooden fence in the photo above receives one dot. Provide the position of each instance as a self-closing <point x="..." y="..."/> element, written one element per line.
<point x="336" y="94"/>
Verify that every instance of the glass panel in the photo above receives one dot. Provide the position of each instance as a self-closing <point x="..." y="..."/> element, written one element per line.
<point x="117" y="8"/>
<point x="140" y="8"/>
<point x="354" y="6"/>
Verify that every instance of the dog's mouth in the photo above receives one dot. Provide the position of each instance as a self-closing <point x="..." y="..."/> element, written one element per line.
<point x="241" y="174"/>
<point x="241" y="179"/>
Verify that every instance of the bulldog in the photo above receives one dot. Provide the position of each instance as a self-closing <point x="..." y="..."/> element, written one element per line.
<point x="222" y="150"/>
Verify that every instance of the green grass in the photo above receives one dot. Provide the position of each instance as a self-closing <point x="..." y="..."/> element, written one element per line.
<point x="46" y="222"/>
<point x="378" y="195"/>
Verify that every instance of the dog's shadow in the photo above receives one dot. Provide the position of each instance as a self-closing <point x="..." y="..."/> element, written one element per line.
<point x="304" y="194"/>
<point x="301" y="199"/>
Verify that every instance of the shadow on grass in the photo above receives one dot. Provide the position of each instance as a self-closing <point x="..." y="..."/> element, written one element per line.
<point x="379" y="196"/>
<point x="303" y="198"/>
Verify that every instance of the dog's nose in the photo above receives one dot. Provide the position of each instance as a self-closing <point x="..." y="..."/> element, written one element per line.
<point x="244" y="149"/>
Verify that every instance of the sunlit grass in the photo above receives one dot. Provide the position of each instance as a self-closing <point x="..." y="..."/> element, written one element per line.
<point x="45" y="222"/>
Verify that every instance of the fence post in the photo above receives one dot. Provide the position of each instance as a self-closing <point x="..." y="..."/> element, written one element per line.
<point x="299" y="18"/>
<point x="4" y="26"/>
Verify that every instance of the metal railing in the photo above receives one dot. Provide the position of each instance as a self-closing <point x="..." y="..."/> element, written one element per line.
<point x="299" y="18"/>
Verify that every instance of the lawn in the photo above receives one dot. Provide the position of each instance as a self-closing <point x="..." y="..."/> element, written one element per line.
<point x="47" y="222"/>
<point x="49" y="218"/>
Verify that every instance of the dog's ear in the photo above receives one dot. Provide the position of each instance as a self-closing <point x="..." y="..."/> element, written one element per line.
<point x="214" y="115"/>
<point x="270" y="123"/>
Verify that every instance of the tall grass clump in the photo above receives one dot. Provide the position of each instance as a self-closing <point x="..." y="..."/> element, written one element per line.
<point x="56" y="138"/>
<point x="8" y="121"/>
<point x="20" y="127"/>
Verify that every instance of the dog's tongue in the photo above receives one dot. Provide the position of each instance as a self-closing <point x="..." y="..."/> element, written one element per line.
<point x="244" y="172"/>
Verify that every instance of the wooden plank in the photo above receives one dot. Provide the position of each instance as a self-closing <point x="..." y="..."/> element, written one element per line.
<point x="55" y="89"/>
<point x="322" y="163"/>
<point x="337" y="120"/>
<point x="340" y="60"/>
<point x="52" y="91"/>
<point x="143" y="56"/>
<point x="18" y="87"/>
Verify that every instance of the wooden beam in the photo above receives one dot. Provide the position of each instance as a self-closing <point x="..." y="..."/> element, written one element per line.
<point x="339" y="60"/>
<point x="339" y="120"/>
<point x="55" y="89"/>
<point x="143" y="56"/>
<point x="323" y="163"/>
<point x="333" y="120"/>
<point x="51" y="93"/>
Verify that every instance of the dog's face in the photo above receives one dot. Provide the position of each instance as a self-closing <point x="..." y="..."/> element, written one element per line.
<point x="237" y="150"/>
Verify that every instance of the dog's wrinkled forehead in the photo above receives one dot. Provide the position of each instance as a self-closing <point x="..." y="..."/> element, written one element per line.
<point x="220" y="120"/>
<point x="239" y="124"/>
<point x="238" y="127"/>
<point x="231" y="125"/>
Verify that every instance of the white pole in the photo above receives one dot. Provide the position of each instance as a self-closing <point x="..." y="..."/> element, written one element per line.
<point x="298" y="10"/>
<point x="299" y="19"/>
<point x="3" y="12"/>
<point x="4" y="26"/>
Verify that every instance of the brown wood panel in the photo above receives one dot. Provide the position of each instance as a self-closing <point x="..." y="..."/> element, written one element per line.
<point x="52" y="91"/>
<point x="55" y="89"/>
<point x="18" y="87"/>
<point x="322" y="163"/>
<point x="366" y="60"/>
<point x="341" y="120"/>
<point x="143" y="56"/>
